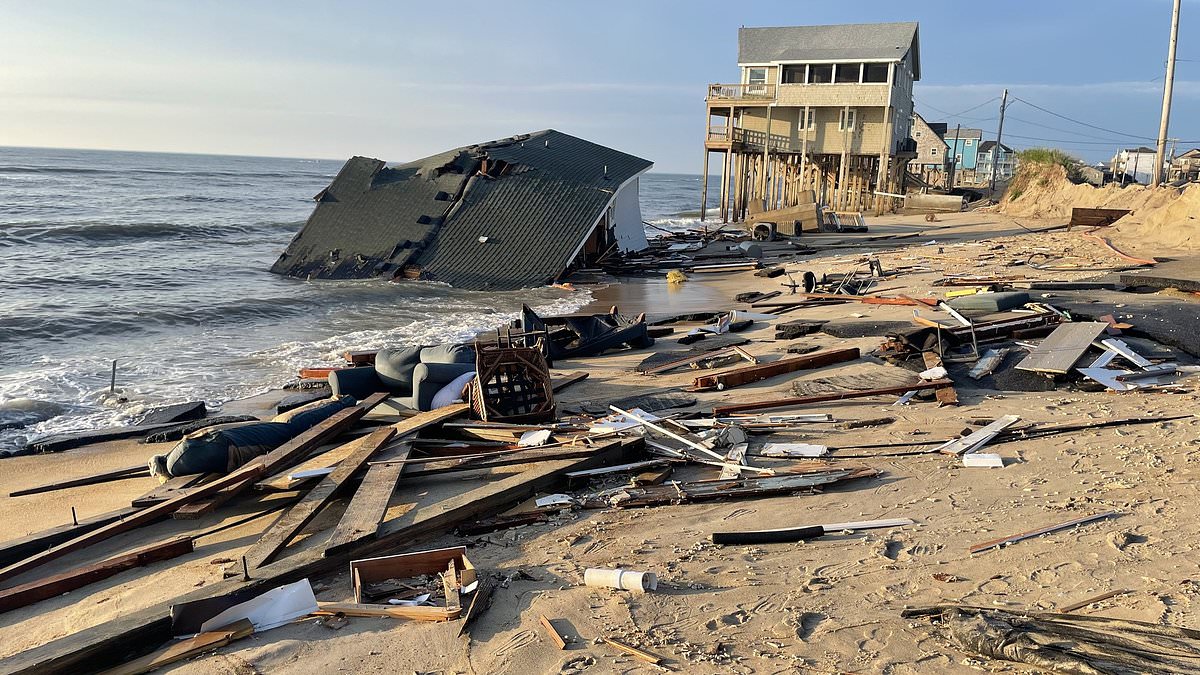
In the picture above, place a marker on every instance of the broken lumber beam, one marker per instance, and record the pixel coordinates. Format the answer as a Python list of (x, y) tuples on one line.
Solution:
[(115, 640), (72, 579), (405, 428), (368, 506), (139, 471), (721, 411), (185, 649), (1012, 539), (294, 519), (141, 517), (555, 636), (979, 438), (762, 371), (18, 549), (723, 352), (284, 456), (418, 613), (639, 654)]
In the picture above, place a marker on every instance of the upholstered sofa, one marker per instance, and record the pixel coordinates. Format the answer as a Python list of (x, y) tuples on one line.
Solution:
[(412, 374)]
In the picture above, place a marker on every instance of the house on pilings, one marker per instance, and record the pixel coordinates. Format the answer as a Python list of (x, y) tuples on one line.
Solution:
[(824, 111)]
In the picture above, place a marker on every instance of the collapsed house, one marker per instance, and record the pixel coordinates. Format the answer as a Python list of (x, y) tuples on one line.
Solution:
[(502, 215)]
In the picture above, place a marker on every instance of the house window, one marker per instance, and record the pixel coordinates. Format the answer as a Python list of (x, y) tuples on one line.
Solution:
[(933, 152), (958, 157), (806, 123), (875, 73), (970, 142), (847, 119), (793, 74), (756, 76), (820, 74), (849, 73), (916, 134)]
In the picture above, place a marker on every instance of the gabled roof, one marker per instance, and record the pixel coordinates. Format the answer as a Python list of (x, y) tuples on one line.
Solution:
[(964, 133), (500, 215), (841, 42), (938, 128), (1194, 152), (1140, 151), (987, 146)]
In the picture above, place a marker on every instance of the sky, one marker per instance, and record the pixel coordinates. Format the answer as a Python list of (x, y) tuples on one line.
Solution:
[(403, 80)]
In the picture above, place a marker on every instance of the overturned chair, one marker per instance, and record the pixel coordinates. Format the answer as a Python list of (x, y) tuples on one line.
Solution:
[(585, 334), (512, 383)]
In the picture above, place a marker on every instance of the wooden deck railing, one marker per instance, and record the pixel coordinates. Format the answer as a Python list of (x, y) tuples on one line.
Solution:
[(741, 92)]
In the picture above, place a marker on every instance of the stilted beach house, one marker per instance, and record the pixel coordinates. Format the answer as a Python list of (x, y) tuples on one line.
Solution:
[(820, 112)]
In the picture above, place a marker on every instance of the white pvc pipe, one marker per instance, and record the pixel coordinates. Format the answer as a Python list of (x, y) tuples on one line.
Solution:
[(638, 582)]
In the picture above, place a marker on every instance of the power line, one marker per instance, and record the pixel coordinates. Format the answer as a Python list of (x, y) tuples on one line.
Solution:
[(1066, 131), (1082, 123), (960, 114)]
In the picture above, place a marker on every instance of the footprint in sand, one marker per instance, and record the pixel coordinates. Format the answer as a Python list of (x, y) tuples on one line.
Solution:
[(516, 642), (807, 623)]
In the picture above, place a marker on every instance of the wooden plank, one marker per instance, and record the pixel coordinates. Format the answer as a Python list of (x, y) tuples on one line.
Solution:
[(723, 352), (294, 519), (1067, 609), (721, 411), (18, 549), (418, 613), (70, 580), (1059, 352), (99, 645), (1011, 539), (403, 429), (1085, 217), (285, 455), (367, 508), (142, 517), (139, 471), (551, 631), (762, 371), (480, 600), (978, 438), (638, 654), (559, 383), (173, 487), (185, 649)]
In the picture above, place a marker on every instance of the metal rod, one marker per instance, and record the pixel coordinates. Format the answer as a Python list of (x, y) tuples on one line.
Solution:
[(112, 383)]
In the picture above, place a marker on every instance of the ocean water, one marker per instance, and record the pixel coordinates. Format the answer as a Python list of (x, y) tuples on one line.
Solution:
[(159, 262)]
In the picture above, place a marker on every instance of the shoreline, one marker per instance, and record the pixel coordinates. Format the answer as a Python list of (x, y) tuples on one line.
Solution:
[(772, 607)]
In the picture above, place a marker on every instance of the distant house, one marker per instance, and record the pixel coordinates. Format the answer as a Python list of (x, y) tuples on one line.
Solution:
[(930, 162), (1098, 175), (1005, 164), (501, 215), (1186, 166), (1137, 163), (964, 149)]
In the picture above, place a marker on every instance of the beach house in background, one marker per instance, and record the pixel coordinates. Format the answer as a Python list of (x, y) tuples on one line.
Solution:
[(1136, 163), (505, 214), (930, 163), (1006, 161), (816, 108), (964, 153)]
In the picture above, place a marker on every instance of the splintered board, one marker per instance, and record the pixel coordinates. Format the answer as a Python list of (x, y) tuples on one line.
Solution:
[(1059, 352)]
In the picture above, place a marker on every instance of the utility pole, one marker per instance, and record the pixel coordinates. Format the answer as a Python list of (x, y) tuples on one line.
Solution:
[(1166, 106), (999, 133), (954, 157)]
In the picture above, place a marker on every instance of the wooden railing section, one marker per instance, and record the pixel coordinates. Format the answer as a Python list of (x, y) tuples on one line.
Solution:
[(741, 92)]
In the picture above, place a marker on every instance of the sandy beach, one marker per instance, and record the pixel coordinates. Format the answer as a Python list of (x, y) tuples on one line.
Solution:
[(831, 605)]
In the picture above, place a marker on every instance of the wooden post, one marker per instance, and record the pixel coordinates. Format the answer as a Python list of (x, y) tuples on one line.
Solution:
[(725, 168), (766, 160), (839, 188), (884, 154), (704, 180)]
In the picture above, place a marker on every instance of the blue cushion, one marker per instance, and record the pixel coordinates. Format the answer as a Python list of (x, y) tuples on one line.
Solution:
[(394, 368)]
